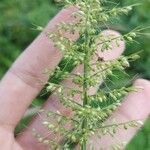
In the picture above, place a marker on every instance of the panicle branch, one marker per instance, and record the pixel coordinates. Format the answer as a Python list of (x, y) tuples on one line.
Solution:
[(87, 113)]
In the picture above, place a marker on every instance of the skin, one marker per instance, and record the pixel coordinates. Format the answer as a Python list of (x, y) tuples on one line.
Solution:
[(21, 85)]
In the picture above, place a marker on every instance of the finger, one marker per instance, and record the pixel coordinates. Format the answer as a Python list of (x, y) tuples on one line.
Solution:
[(136, 106), (21, 83), (115, 51), (53, 103)]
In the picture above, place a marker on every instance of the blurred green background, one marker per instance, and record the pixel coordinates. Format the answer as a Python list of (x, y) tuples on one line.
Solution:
[(17, 17)]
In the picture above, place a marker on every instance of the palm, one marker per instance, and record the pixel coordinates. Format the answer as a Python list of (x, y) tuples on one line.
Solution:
[(19, 87)]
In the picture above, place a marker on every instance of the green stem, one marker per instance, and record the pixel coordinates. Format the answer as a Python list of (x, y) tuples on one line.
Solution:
[(83, 146), (85, 87)]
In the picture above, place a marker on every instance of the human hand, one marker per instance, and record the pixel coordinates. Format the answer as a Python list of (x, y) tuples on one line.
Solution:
[(20, 86)]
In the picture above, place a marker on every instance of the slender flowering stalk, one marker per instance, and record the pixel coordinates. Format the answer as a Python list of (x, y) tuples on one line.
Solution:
[(89, 112)]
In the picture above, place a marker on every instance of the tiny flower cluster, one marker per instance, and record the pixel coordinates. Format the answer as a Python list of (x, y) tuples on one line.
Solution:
[(87, 113)]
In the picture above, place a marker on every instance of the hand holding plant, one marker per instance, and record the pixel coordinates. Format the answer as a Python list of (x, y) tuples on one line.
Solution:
[(21, 82)]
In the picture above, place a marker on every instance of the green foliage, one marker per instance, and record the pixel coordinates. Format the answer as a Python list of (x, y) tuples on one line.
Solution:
[(16, 19)]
